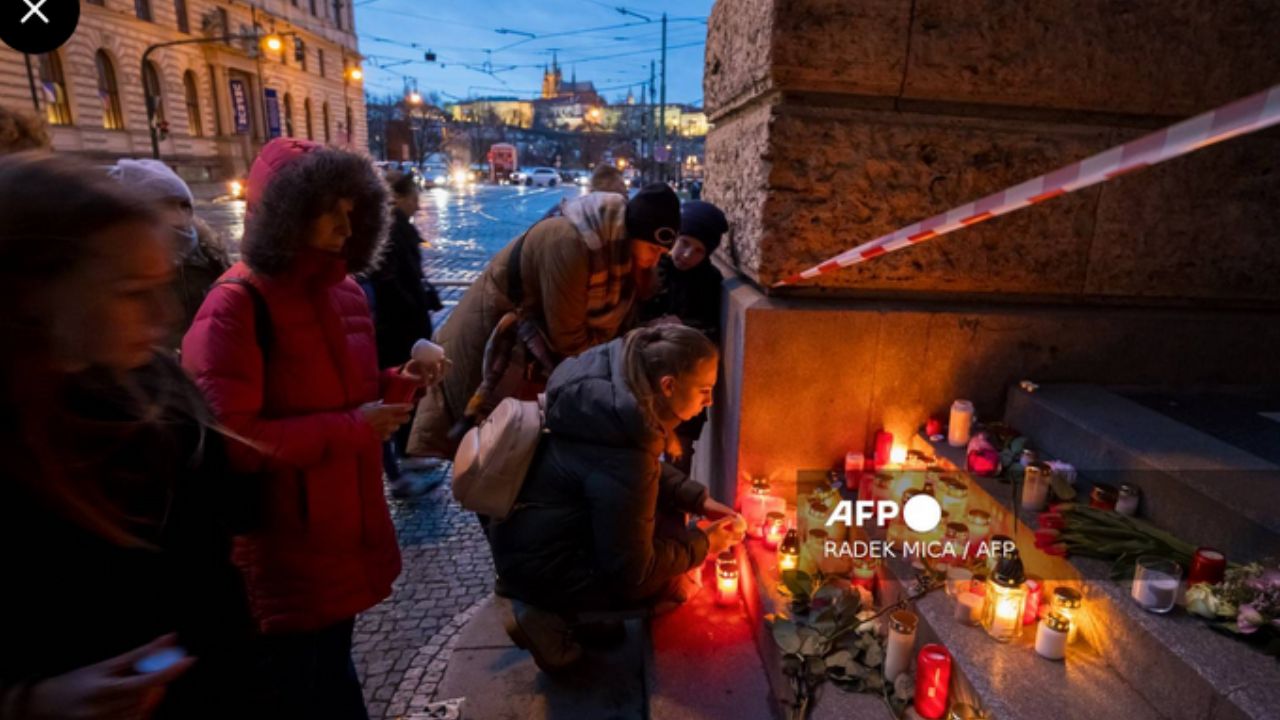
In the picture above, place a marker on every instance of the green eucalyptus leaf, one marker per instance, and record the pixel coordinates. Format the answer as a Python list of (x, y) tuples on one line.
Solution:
[(815, 667), (786, 634), (797, 582), (873, 656)]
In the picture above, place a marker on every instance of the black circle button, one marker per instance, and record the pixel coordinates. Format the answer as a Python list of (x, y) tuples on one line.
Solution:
[(38, 26)]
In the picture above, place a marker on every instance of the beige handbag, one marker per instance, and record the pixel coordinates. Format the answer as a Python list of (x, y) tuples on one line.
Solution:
[(494, 457)]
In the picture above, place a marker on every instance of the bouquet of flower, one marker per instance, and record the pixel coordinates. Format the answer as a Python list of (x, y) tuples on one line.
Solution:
[(1246, 602)]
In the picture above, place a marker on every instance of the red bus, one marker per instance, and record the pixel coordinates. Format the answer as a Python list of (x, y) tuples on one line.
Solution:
[(502, 162)]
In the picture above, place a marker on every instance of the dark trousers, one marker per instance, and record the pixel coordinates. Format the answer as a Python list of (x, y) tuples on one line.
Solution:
[(393, 450), (308, 675)]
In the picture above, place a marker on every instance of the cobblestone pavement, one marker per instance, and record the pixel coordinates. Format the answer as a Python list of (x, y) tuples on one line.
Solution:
[(403, 645)]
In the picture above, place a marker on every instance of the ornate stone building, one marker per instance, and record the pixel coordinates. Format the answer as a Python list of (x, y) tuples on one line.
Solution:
[(217, 101)]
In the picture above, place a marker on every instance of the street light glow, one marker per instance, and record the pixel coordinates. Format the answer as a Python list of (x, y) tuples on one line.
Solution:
[(356, 73), (273, 43), (415, 98)]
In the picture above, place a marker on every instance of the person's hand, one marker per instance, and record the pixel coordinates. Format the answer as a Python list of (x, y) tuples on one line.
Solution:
[(386, 418), (110, 689), (428, 374), (721, 535), (714, 509)]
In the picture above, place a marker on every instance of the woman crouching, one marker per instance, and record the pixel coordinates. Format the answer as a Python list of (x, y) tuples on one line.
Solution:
[(599, 522)]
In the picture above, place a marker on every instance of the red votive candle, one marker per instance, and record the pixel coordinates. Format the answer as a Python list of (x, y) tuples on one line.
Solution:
[(933, 681), (933, 428), (884, 446), (1207, 566), (1031, 610), (854, 463)]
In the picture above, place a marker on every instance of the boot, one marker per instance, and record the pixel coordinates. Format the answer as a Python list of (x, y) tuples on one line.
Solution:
[(600, 635), (544, 634)]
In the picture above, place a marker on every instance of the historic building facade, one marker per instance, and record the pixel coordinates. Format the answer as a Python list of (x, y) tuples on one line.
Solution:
[(290, 68)]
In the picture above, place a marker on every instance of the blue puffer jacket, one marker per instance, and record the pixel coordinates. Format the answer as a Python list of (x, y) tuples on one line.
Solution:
[(585, 527)]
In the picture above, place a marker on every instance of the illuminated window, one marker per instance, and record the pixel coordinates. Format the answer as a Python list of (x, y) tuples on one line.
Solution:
[(109, 93), (193, 104), (57, 106)]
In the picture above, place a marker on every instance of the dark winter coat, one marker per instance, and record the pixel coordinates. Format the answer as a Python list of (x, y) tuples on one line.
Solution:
[(402, 315), (587, 511), (326, 549), (74, 598), (691, 295), (196, 273)]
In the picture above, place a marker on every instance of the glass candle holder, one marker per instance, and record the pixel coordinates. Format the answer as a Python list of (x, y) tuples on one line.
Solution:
[(1207, 566), (864, 572), (789, 552), (1104, 496), (955, 539), (1155, 584), (1052, 636), (900, 643), (958, 580), (1035, 486), (933, 681), (1002, 614), (811, 550), (774, 529), (955, 496), (1068, 602), (979, 522), (884, 447), (726, 578), (969, 607), (813, 516), (1035, 590), (961, 423), (755, 504), (1127, 499)]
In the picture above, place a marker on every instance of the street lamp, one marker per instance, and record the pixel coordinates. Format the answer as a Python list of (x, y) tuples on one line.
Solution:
[(355, 73), (273, 43), (414, 98)]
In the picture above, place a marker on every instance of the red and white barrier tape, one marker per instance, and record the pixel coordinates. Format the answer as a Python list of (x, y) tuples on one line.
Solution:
[(1242, 116)]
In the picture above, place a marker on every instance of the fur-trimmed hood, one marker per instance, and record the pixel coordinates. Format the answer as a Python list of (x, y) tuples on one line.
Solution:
[(294, 181)]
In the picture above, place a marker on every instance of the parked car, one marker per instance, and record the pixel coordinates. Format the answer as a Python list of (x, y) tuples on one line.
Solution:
[(519, 177), (435, 175), (543, 177)]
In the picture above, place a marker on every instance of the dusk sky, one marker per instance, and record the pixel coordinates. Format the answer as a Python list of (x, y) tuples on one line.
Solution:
[(590, 37)]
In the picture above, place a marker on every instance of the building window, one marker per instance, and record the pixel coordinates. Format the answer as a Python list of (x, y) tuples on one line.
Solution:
[(324, 117), (109, 92), (306, 110), (180, 9), (288, 115), (213, 90), (151, 84), (224, 25), (193, 104), (350, 126), (313, 7), (143, 9), (320, 60), (57, 106), (337, 13)]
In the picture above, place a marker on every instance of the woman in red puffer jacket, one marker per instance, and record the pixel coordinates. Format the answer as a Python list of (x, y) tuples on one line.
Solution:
[(305, 397)]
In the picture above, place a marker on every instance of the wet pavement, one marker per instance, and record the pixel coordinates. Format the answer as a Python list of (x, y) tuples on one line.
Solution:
[(402, 646)]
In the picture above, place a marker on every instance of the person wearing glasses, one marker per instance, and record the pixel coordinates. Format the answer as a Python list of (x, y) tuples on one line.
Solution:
[(567, 284)]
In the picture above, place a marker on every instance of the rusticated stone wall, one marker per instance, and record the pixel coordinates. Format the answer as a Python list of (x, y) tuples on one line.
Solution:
[(836, 122)]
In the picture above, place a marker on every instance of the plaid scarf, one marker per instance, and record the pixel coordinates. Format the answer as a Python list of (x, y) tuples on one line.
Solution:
[(600, 218)]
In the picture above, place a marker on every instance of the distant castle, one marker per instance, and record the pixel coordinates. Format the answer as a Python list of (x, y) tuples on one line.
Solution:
[(554, 87)]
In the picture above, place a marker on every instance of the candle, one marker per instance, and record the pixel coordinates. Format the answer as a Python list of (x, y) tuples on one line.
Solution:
[(774, 529), (1052, 636), (884, 447), (789, 552), (955, 496), (1006, 599), (854, 464), (979, 522), (961, 423), (864, 572), (1035, 588), (1104, 496), (1035, 486), (969, 608), (933, 429), (933, 680), (1067, 601), (726, 578), (1155, 584), (758, 503), (900, 643), (898, 456), (812, 550), (955, 540), (958, 580), (1127, 499), (1207, 566), (834, 564)]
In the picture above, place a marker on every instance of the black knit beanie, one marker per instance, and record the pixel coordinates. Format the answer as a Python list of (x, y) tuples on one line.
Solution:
[(654, 208), (703, 221)]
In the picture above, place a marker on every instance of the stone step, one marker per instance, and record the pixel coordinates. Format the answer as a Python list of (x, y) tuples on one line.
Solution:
[(1174, 664), (703, 663), (1209, 491)]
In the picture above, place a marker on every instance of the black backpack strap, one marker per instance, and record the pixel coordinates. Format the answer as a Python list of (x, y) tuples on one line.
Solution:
[(262, 330)]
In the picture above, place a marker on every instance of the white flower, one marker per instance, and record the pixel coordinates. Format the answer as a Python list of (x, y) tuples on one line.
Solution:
[(1201, 601)]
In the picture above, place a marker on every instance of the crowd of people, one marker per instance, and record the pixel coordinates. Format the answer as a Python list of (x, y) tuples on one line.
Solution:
[(194, 452)]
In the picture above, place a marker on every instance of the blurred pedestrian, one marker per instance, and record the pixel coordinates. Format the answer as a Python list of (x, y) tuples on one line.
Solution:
[(402, 303), (20, 132), (689, 293), (284, 349), (567, 284), (600, 521), (607, 178), (115, 505), (199, 255)]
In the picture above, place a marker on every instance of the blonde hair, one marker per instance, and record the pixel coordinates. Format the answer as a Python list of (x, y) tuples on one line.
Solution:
[(650, 354)]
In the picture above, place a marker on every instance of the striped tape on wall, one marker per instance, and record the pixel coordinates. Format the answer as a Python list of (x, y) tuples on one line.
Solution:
[(1238, 118)]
